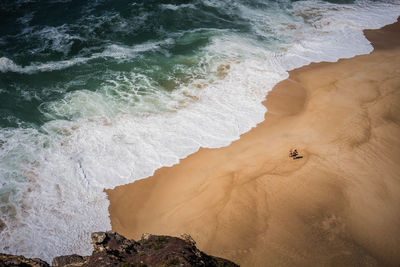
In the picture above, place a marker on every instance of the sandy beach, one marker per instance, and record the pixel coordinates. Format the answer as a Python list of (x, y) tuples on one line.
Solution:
[(251, 203)]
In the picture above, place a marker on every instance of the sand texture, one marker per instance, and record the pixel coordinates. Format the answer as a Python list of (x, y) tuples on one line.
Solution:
[(249, 202)]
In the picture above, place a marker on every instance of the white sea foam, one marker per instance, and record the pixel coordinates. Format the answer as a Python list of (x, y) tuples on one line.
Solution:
[(176, 7), (7, 64), (68, 163), (26, 18), (113, 51), (125, 52)]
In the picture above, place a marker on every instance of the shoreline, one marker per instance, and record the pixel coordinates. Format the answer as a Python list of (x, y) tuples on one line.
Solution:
[(250, 203)]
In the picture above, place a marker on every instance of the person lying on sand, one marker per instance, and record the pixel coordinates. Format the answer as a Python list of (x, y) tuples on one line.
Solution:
[(293, 153)]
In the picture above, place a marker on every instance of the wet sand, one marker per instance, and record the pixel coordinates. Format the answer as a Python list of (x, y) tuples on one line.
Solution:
[(251, 203)]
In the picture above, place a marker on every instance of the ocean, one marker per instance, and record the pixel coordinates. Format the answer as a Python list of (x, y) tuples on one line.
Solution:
[(96, 94)]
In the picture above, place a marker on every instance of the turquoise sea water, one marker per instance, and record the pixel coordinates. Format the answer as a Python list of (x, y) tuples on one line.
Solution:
[(95, 94)]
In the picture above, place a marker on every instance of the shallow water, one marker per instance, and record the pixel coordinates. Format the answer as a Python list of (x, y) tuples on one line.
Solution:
[(99, 94)]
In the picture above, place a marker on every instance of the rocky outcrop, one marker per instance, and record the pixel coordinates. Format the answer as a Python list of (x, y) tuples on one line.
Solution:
[(112, 249), (11, 260), (70, 260)]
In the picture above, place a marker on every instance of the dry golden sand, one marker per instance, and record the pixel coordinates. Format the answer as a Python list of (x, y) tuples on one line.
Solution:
[(251, 203)]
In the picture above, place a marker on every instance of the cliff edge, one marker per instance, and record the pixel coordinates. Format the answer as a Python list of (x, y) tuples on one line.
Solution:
[(112, 249)]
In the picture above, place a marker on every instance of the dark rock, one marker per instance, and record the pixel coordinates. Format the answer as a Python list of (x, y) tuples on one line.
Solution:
[(98, 238), (112, 249), (13, 261), (112, 243), (70, 260)]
